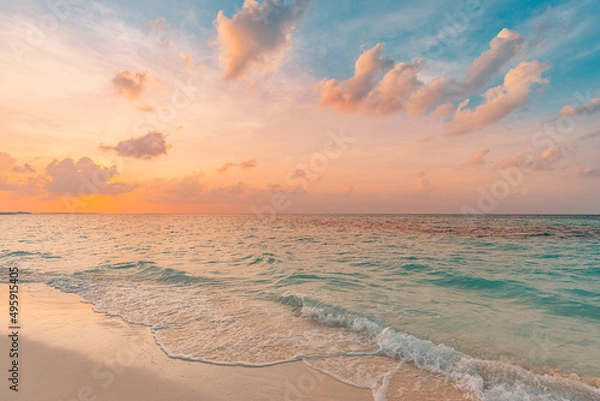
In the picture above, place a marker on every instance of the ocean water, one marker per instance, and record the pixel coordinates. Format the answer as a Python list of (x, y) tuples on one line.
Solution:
[(506, 307)]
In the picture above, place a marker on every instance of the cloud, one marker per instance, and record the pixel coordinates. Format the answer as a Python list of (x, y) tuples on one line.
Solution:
[(423, 185), (160, 30), (438, 91), (258, 35), (591, 135), (588, 172), (131, 86), (82, 178), (18, 179), (26, 169), (477, 158), (499, 101), (378, 86), (443, 110), (187, 60), (158, 24), (9, 163), (570, 111), (191, 190), (146, 108), (244, 165), (187, 189), (6, 185), (503, 48), (382, 87), (349, 95), (547, 160), (146, 147)]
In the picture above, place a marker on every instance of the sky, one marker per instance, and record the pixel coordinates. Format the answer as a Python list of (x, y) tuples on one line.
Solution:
[(272, 107)]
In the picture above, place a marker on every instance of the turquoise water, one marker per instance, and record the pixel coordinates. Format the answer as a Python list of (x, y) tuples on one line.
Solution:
[(505, 306)]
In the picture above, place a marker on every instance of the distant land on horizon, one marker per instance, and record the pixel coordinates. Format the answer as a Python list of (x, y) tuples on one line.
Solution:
[(322, 214)]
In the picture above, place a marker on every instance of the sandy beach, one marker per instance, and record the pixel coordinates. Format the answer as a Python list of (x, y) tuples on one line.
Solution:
[(71, 353), (68, 352)]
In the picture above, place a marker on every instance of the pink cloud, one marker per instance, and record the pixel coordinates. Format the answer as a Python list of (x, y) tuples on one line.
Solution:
[(146, 147), (547, 160), (9, 163), (588, 172), (571, 111), (187, 60), (131, 85), (350, 95), (245, 165), (503, 48), (258, 35), (478, 158), (191, 190), (82, 178), (501, 100), (382, 87)]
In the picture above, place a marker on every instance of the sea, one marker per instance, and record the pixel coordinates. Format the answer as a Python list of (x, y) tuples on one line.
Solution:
[(505, 307)]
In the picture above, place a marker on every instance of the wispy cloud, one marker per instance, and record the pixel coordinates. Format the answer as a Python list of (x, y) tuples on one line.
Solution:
[(244, 165), (9, 163), (191, 190), (187, 60), (478, 158), (146, 108), (547, 160), (591, 135), (573, 111), (588, 172)]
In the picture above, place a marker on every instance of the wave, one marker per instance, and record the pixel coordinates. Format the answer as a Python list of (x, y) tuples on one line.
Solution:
[(192, 321), (552, 303)]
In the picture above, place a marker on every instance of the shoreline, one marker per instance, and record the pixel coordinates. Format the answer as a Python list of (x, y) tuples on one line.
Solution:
[(71, 353)]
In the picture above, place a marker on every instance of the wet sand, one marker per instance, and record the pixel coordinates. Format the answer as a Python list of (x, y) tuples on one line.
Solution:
[(67, 352)]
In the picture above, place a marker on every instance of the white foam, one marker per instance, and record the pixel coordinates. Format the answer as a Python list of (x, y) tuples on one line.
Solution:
[(192, 323)]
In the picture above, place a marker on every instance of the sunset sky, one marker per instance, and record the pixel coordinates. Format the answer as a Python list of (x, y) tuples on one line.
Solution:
[(300, 106)]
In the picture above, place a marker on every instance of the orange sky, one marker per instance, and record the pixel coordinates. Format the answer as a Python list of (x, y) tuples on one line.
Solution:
[(113, 114)]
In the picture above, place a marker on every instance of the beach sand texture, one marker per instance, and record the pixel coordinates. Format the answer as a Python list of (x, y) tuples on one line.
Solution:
[(70, 353)]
